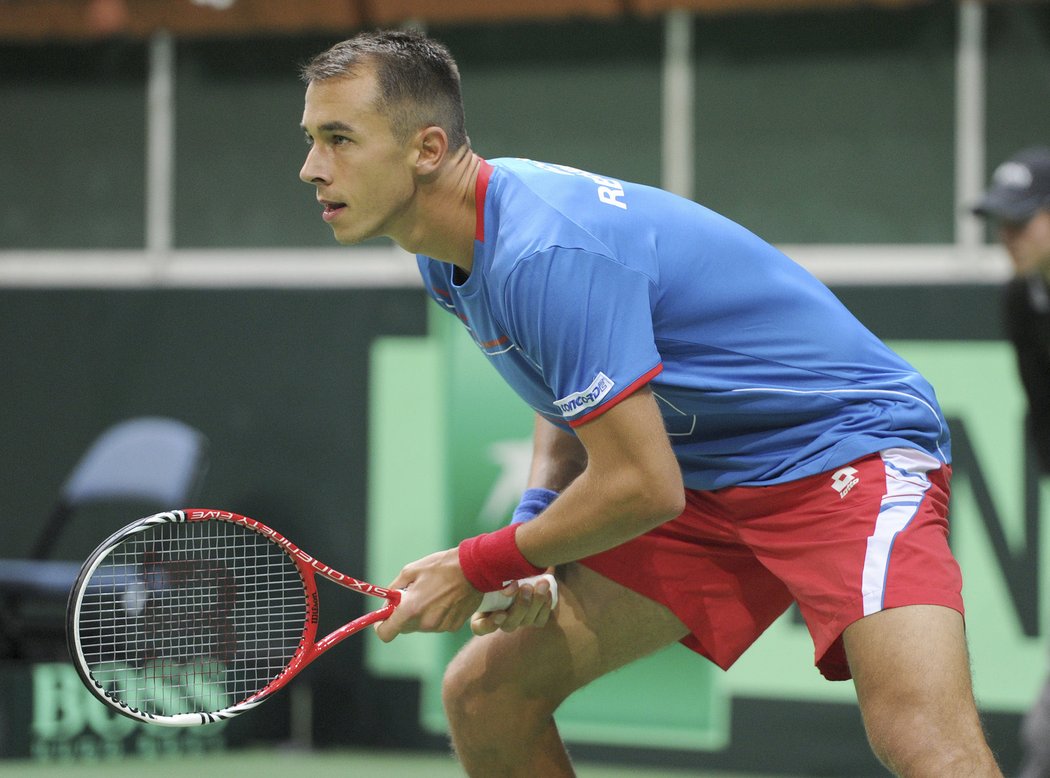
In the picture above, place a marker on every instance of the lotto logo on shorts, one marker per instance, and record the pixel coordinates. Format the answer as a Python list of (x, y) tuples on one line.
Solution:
[(844, 479)]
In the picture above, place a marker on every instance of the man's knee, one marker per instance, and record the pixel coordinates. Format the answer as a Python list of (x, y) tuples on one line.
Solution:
[(485, 685), (912, 740), (919, 728), (462, 685)]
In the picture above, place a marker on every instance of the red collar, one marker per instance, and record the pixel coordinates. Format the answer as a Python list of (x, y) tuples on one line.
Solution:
[(480, 188)]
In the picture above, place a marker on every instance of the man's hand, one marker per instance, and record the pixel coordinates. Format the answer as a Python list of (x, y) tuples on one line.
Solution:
[(436, 597), (531, 608)]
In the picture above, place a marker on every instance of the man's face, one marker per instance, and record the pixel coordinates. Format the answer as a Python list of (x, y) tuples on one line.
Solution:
[(1028, 243), (363, 175)]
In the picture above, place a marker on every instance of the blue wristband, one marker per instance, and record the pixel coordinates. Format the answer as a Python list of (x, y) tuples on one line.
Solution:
[(533, 503)]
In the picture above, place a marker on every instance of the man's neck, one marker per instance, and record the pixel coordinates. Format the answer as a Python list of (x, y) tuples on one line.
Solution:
[(446, 213)]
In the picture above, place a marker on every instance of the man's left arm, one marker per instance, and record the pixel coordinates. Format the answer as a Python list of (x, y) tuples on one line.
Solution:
[(631, 483)]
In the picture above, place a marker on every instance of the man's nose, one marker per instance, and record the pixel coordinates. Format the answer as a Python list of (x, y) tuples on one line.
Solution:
[(312, 171)]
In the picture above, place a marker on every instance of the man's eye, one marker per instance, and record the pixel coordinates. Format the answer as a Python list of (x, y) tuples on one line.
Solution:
[(308, 140), (339, 140)]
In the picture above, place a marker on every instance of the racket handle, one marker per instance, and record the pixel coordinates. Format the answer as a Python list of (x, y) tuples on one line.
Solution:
[(498, 601)]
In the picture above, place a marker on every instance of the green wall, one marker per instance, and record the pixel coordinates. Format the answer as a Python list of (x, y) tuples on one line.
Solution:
[(818, 126), (276, 379), (72, 146)]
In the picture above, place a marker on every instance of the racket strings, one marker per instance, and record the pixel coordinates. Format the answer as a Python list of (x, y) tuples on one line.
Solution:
[(191, 617)]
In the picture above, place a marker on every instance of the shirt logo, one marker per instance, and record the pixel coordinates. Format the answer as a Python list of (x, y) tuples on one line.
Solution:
[(588, 398), (844, 479), (610, 191)]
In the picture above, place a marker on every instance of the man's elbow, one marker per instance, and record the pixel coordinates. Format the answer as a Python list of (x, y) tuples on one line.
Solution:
[(669, 503), (657, 500)]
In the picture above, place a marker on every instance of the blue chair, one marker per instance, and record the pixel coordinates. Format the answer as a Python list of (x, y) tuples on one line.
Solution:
[(150, 462)]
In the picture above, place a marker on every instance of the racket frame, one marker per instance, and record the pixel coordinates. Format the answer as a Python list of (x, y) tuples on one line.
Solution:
[(309, 648)]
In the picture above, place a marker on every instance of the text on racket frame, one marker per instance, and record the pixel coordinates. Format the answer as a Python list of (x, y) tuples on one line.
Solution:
[(330, 572)]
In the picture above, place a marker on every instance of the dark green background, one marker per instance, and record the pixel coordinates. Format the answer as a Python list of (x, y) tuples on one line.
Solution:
[(821, 126)]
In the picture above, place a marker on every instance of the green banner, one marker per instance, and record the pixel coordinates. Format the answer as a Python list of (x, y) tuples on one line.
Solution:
[(51, 716), (449, 458)]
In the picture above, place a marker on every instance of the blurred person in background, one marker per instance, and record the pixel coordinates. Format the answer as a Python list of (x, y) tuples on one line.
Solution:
[(1018, 204)]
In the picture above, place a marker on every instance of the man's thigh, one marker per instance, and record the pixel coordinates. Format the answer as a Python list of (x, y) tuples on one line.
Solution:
[(597, 627), (912, 676), (912, 660)]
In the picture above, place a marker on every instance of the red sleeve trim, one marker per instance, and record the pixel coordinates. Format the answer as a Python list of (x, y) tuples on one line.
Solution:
[(627, 392), (480, 188)]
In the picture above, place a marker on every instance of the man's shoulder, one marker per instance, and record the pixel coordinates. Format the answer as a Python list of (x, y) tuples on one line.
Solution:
[(539, 212)]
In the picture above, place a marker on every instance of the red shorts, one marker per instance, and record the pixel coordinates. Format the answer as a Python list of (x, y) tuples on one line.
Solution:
[(842, 544)]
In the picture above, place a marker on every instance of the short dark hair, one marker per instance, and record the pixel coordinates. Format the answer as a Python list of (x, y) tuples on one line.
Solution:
[(418, 80)]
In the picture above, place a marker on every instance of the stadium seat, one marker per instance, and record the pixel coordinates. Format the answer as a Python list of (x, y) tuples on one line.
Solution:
[(146, 463)]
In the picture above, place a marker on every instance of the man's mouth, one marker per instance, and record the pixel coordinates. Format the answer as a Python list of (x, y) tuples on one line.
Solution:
[(331, 210)]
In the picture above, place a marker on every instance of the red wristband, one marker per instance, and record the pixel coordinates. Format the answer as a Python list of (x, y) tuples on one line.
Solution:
[(489, 561)]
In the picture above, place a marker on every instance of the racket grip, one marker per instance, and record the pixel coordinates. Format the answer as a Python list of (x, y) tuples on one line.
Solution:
[(498, 601)]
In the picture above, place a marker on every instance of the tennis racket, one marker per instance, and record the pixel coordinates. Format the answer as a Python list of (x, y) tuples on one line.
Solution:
[(193, 616)]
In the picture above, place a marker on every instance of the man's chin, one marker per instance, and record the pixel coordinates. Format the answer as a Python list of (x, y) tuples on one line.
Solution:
[(347, 238)]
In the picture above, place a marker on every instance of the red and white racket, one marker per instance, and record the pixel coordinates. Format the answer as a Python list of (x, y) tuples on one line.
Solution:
[(193, 616)]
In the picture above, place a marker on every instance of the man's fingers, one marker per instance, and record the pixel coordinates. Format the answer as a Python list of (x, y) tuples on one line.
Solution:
[(390, 628), (487, 623), (395, 623), (531, 608), (385, 633)]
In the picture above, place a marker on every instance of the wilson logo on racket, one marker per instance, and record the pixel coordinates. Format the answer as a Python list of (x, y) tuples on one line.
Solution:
[(194, 616)]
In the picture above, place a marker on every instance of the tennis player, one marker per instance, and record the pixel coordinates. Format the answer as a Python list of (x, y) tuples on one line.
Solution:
[(716, 437)]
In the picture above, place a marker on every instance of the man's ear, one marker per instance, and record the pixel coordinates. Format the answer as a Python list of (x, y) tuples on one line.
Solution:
[(431, 148)]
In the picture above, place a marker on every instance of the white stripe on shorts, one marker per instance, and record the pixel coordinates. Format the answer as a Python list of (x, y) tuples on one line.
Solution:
[(906, 486)]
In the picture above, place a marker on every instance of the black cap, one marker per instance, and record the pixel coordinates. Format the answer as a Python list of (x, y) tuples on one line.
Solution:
[(1020, 187)]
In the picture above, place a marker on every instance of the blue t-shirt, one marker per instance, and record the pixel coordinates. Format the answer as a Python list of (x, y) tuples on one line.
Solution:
[(585, 288)]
